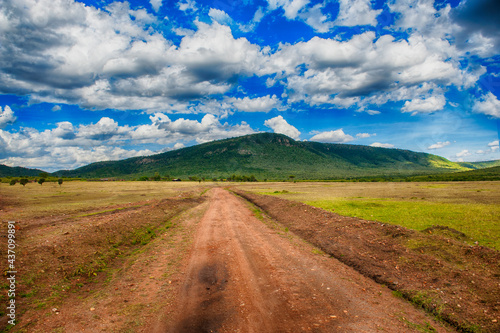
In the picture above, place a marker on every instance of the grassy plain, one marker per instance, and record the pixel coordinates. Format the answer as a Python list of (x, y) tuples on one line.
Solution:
[(72, 197), (74, 240), (469, 207)]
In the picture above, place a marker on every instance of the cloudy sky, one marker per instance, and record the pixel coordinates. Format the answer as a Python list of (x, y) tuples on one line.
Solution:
[(91, 80)]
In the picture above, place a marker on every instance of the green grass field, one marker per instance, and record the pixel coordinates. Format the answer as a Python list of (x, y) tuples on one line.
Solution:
[(469, 207)]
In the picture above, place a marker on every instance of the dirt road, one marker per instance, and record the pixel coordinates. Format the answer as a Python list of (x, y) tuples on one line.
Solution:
[(244, 276)]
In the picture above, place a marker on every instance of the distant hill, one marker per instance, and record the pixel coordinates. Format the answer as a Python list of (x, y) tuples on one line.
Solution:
[(492, 173), (272, 156), (7, 171), (480, 165)]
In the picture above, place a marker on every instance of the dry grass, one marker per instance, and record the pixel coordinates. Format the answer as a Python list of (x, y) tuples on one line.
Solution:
[(36, 200)]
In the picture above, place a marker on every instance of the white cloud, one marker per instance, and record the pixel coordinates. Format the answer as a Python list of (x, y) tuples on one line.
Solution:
[(463, 153), (135, 68), (7, 116), (424, 105), (280, 125), (291, 7), (187, 5), (315, 18), (68, 146), (356, 12), (367, 70), (382, 145), (156, 4), (59, 158), (219, 16), (259, 104), (337, 136), (439, 145), (487, 104), (56, 108), (365, 135), (493, 143)]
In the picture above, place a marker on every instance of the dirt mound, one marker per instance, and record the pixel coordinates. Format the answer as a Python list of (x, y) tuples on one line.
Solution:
[(456, 282), (447, 232)]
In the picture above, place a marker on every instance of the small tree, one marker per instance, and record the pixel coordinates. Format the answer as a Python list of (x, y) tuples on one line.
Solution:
[(43, 175), (156, 177), (41, 181), (13, 182), (24, 181), (60, 181), (291, 177)]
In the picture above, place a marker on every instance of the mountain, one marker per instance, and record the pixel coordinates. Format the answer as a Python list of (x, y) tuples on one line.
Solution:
[(7, 171), (480, 165), (272, 156)]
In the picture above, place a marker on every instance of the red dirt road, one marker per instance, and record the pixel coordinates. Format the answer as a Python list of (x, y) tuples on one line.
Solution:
[(244, 276)]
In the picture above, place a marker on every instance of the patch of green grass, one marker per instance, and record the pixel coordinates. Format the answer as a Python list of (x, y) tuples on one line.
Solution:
[(478, 221), (424, 328)]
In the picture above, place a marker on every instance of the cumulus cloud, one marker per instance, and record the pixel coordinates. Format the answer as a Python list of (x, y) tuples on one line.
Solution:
[(280, 125), (68, 146), (219, 16), (47, 52), (365, 135), (424, 105), (258, 104), (135, 68), (382, 145), (463, 153), (337, 136), (187, 5), (7, 116), (366, 71), (493, 143), (478, 19), (56, 108), (487, 104), (156, 4), (439, 145), (356, 12)]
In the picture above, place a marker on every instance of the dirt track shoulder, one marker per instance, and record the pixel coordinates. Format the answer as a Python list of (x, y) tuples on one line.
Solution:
[(460, 284)]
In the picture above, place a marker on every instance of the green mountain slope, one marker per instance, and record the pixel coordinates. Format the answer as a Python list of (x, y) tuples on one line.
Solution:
[(492, 173), (7, 171), (480, 165), (272, 156)]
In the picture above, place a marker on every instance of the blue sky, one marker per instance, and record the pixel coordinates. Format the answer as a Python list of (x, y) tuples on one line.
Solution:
[(93, 80)]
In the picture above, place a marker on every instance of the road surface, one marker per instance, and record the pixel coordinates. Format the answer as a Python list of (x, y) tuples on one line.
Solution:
[(245, 276)]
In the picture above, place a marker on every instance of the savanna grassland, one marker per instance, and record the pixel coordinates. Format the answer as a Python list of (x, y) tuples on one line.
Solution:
[(77, 244), (111, 255), (469, 207)]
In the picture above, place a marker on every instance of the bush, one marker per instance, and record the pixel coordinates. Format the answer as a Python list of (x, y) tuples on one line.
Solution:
[(24, 181), (13, 182)]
